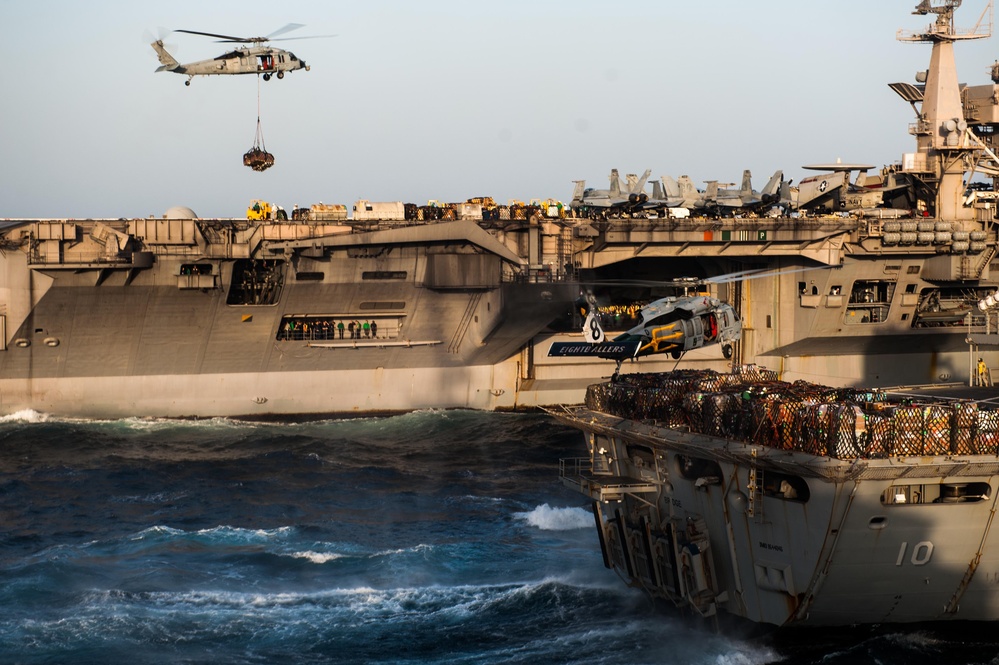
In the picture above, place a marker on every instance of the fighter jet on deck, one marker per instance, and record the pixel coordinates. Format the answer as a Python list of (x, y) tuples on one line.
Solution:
[(617, 199), (748, 198), (682, 193)]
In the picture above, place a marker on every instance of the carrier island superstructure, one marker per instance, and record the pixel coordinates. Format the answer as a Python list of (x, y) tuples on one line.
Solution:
[(184, 316)]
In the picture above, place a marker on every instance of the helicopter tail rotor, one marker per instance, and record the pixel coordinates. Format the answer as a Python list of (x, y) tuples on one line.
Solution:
[(167, 61)]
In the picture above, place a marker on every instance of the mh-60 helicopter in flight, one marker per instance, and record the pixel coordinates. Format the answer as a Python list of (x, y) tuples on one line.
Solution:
[(674, 325), (256, 58)]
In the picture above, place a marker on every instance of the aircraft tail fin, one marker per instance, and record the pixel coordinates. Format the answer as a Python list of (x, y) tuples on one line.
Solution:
[(711, 192), (747, 182), (577, 192), (632, 180), (640, 183), (671, 186), (615, 182), (687, 188), (593, 332), (773, 185), (167, 61), (785, 192), (657, 191)]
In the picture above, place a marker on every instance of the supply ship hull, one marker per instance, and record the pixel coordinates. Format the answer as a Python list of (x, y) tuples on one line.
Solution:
[(792, 504)]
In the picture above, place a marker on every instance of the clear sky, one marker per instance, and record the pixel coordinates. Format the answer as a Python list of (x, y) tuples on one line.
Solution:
[(446, 99)]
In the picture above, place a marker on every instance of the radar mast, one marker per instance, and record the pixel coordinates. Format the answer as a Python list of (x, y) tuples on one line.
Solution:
[(945, 149)]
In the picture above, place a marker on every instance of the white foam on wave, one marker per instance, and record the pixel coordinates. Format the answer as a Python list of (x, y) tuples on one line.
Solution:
[(157, 530), (25, 416), (317, 557), (745, 654), (546, 518), (240, 534)]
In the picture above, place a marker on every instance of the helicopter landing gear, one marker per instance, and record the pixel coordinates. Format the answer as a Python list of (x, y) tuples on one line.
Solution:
[(727, 351), (267, 77), (187, 82), (617, 370), (280, 75)]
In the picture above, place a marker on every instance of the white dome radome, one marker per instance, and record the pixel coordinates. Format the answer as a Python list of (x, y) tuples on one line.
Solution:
[(179, 212)]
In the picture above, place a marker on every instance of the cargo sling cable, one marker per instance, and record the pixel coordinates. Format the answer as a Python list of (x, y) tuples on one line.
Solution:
[(257, 157)]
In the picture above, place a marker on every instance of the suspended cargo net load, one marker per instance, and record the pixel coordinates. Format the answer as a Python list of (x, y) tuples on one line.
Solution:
[(257, 157)]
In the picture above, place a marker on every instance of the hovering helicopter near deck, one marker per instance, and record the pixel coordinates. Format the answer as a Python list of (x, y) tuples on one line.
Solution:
[(674, 325), (255, 59)]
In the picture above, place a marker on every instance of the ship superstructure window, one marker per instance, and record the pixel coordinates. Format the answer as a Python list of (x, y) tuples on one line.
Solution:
[(784, 486), (196, 276), (935, 493), (310, 276), (949, 306), (641, 456), (384, 274), (336, 327), (869, 301), (694, 468), (256, 282)]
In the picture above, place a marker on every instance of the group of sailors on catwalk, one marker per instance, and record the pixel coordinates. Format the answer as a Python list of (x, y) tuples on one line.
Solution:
[(326, 329)]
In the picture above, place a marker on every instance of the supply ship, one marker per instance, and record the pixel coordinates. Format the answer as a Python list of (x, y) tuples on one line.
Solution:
[(794, 504), (869, 282)]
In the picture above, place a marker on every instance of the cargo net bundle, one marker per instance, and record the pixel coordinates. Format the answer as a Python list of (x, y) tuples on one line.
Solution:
[(257, 157), (752, 405)]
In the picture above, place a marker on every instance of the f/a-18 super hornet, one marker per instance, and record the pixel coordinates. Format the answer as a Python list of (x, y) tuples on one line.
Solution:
[(618, 198), (671, 195), (682, 193), (748, 198)]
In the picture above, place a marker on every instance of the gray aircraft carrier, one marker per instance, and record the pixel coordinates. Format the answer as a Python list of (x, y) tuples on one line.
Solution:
[(184, 316)]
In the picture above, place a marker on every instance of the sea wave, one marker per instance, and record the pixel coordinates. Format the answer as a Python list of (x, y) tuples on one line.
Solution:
[(547, 518), (26, 416)]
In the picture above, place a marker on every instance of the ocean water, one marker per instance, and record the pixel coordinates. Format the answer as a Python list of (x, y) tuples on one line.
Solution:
[(431, 537)]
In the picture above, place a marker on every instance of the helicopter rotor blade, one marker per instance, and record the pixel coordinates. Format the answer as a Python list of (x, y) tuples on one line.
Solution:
[(228, 38), (288, 39), (287, 28)]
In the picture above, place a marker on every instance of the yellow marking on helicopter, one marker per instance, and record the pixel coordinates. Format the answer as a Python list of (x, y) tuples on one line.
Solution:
[(659, 336)]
